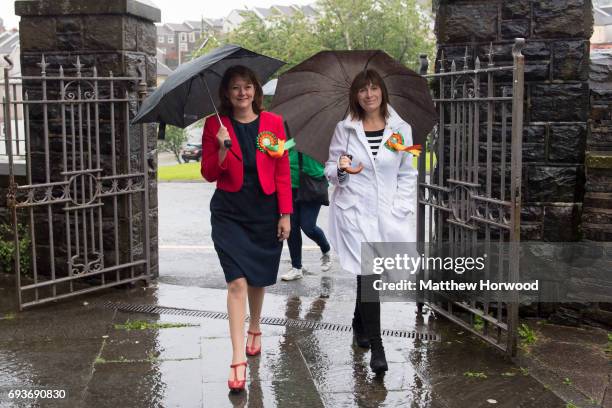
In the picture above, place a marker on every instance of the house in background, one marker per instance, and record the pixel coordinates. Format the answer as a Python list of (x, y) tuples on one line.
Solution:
[(163, 71), (235, 18), (602, 29), (177, 41)]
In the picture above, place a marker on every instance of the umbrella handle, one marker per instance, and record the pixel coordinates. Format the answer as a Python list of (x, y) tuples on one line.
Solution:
[(353, 170)]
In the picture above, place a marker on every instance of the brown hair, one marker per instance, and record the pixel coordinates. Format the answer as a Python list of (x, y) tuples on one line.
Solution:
[(248, 75), (363, 79)]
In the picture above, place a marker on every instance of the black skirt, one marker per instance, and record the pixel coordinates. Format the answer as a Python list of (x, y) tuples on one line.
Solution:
[(244, 223)]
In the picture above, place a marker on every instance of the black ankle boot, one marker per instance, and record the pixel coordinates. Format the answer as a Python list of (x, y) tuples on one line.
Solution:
[(369, 308), (378, 360)]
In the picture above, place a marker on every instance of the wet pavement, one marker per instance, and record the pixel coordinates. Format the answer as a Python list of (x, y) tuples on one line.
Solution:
[(77, 347)]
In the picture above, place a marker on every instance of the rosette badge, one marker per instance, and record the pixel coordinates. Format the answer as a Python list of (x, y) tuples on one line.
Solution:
[(395, 143), (269, 144)]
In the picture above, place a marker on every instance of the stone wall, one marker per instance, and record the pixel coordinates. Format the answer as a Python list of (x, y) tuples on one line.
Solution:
[(597, 210), (556, 110), (115, 36)]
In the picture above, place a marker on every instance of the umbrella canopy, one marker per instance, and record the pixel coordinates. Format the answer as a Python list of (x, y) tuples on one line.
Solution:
[(314, 96), (182, 98)]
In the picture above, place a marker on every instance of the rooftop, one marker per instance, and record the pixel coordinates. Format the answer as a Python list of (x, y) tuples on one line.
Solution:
[(178, 27)]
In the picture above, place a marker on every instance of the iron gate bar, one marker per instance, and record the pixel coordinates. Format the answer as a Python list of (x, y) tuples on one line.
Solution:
[(273, 321), (83, 188), (465, 204)]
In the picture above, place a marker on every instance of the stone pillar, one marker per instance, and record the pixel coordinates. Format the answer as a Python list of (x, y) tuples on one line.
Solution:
[(117, 36), (557, 34), (597, 210)]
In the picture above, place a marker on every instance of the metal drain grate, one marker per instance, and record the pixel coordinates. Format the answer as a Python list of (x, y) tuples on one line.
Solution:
[(274, 321)]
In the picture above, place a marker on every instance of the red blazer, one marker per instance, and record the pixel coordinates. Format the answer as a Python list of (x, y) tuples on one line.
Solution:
[(274, 174)]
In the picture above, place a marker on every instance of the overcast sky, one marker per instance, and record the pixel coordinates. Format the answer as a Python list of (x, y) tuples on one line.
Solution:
[(175, 11)]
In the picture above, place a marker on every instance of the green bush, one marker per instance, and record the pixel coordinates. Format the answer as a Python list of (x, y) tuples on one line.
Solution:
[(7, 248)]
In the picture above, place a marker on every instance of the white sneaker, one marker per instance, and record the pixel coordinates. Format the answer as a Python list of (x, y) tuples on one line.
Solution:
[(293, 274), (326, 262)]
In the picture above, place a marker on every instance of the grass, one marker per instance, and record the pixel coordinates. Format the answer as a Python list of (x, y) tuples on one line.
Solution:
[(191, 171), (527, 335), (143, 325), (472, 374), (178, 172)]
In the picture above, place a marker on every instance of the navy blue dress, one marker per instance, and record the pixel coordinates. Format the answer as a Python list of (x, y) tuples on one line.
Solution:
[(244, 223)]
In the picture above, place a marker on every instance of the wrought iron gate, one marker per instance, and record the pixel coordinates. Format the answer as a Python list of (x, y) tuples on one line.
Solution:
[(80, 216), (466, 200)]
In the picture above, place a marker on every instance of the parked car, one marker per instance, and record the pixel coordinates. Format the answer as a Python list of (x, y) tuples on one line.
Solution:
[(192, 151)]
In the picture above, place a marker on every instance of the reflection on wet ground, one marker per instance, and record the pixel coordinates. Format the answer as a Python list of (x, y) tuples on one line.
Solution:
[(75, 347)]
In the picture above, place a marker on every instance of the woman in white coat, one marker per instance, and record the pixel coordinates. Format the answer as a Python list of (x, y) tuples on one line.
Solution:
[(377, 204)]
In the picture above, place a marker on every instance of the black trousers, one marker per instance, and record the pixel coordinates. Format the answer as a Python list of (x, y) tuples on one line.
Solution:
[(367, 309)]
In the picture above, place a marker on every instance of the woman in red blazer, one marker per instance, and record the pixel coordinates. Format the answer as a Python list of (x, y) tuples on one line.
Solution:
[(251, 205)]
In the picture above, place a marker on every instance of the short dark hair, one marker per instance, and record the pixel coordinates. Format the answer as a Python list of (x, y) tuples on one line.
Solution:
[(361, 80), (247, 74)]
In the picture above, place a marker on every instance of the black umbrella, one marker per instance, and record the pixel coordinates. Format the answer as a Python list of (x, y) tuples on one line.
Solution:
[(190, 92)]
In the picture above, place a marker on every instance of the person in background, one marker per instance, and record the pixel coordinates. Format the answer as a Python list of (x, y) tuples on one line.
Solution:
[(306, 209)]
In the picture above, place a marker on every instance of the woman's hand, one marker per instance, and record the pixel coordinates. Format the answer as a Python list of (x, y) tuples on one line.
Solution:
[(222, 136), (344, 162), (284, 227)]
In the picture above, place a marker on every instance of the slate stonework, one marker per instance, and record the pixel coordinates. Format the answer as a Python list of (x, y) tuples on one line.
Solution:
[(118, 37), (597, 209), (557, 94)]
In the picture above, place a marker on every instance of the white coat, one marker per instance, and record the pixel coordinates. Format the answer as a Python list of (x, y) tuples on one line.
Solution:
[(376, 205)]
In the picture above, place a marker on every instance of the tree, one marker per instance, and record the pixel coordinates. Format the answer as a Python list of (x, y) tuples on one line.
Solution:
[(289, 39), (206, 43), (402, 28), (174, 141)]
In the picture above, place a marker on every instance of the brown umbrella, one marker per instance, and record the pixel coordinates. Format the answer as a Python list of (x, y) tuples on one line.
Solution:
[(314, 96)]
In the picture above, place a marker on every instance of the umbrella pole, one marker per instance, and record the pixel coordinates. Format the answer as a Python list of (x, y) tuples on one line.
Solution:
[(227, 143), (211, 99)]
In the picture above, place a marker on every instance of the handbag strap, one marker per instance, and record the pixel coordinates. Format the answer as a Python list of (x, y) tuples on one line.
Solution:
[(300, 169)]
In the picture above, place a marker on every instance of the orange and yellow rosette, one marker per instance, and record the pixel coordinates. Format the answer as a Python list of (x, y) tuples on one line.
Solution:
[(269, 144), (395, 143)]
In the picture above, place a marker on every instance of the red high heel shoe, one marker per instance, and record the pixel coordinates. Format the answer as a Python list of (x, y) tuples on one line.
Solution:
[(252, 351), (237, 385)]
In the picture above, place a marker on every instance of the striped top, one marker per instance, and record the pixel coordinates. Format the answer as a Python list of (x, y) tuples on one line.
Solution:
[(374, 138)]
